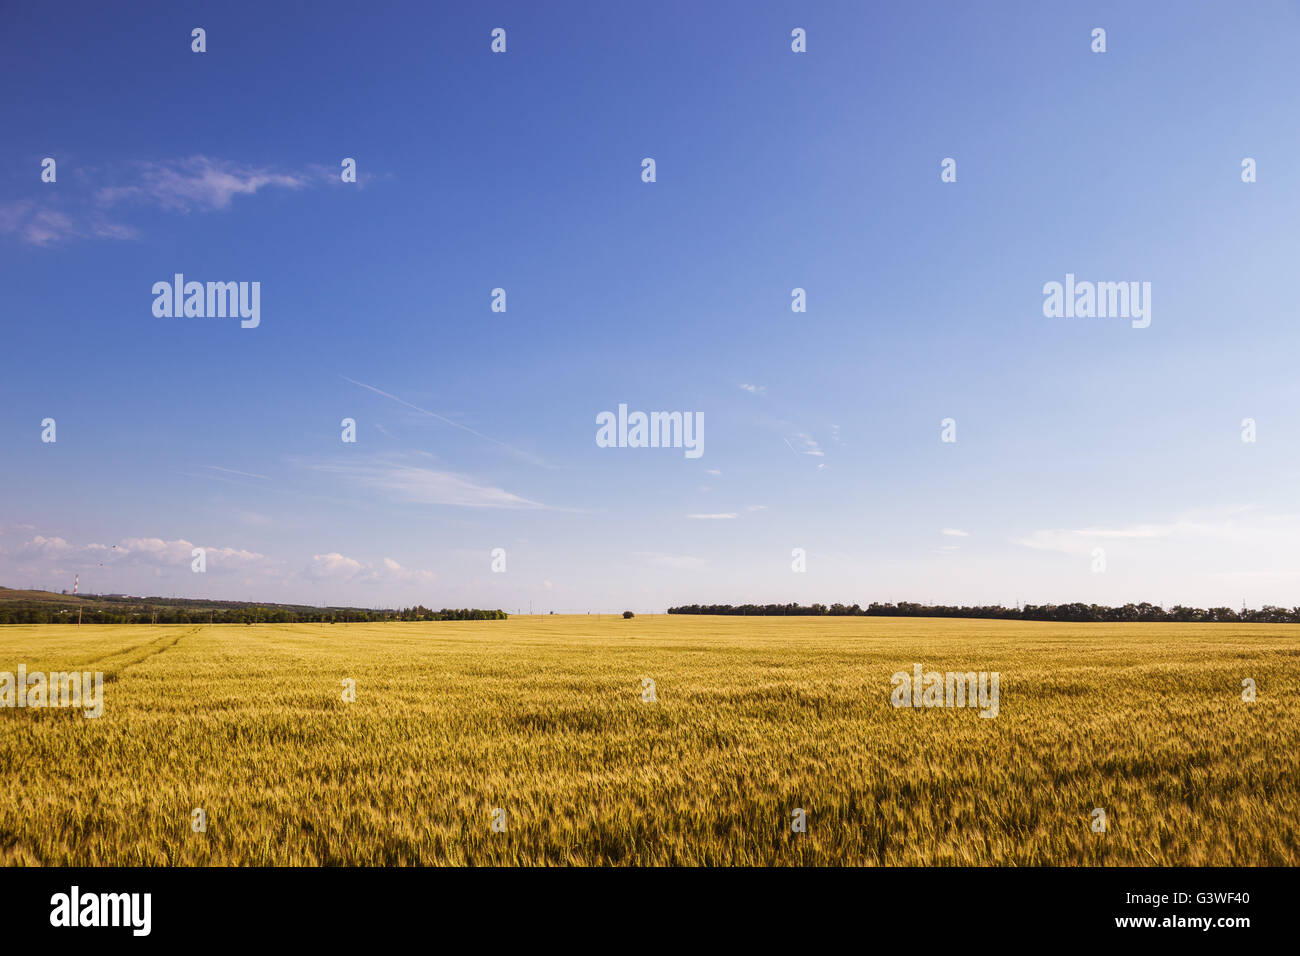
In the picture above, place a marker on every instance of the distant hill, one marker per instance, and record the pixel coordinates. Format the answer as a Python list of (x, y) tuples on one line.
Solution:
[(47, 607)]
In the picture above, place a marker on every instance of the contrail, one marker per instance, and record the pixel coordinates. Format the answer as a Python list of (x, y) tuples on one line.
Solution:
[(232, 471), (445, 419)]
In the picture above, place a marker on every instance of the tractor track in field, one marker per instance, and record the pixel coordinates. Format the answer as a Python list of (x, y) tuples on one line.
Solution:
[(123, 650), (154, 649)]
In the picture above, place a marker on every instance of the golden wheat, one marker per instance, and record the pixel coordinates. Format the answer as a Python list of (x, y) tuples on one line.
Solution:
[(543, 717)]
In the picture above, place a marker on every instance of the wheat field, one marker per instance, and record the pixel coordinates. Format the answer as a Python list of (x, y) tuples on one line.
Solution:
[(544, 718)]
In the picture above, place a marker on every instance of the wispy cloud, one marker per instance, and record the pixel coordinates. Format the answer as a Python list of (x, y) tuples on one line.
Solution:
[(198, 182), (78, 211), (713, 517), (1080, 540), (954, 532), (807, 445), (678, 562), (412, 483), (1235, 526), (754, 389), (43, 223)]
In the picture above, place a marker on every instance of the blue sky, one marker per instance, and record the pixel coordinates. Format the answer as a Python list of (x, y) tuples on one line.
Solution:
[(775, 170)]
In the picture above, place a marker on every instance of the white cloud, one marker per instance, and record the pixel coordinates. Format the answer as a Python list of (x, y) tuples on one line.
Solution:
[(141, 561), (955, 533), (392, 571), (332, 566), (340, 568), (151, 552), (713, 517), (44, 545), (178, 553)]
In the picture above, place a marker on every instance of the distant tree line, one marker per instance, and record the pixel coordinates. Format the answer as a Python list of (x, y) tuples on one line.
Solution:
[(175, 615), (40, 608), (1268, 614)]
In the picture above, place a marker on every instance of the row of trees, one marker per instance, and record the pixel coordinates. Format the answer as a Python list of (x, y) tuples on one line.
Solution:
[(1268, 614), (37, 613), (422, 613)]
